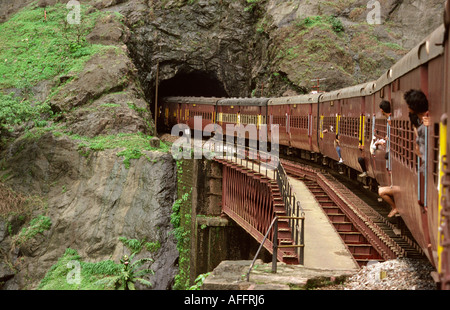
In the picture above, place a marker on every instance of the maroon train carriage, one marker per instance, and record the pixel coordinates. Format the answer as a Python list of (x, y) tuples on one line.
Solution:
[(342, 112), (444, 175), (295, 116), (244, 111), (278, 113), (170, 112), (183, 110), (422, 68)]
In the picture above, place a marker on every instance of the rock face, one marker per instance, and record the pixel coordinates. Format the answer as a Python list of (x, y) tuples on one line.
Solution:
[(92, 201), (236, 48), (91, 196)]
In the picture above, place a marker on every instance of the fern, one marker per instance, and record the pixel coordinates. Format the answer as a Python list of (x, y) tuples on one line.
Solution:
[(128, 274)]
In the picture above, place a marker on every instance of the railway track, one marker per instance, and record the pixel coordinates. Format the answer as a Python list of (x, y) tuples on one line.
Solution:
[(359, 219)]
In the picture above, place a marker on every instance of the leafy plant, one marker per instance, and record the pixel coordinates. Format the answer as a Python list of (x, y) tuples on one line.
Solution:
[(199, 281), (252, 4), (128, 274), (136, 246), (14, 111), (324, 21), (37, 225), (336, 24)]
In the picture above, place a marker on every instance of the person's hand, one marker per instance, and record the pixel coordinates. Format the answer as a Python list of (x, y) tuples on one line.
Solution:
[(426, 119)]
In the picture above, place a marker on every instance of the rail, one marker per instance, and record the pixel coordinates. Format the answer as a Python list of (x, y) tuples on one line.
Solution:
[(265, 164), (294, 209), (274, 226)]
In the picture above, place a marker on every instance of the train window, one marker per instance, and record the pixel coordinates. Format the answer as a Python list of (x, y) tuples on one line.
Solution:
[(280, 120), (299, 122), (380, 128), (402, 143), (294, 121)]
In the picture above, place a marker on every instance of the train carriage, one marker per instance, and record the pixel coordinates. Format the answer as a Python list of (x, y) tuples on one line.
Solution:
[(278, 113), (170, 112), (329, 112), (242, 111), (300, 120), (416, 193), (183, 110), (444, 176), (201, 111)]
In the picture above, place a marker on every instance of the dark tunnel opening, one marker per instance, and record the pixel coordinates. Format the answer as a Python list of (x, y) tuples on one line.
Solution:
[(193, 84), (196, 84)]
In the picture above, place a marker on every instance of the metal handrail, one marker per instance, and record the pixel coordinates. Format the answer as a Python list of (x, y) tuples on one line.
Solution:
[(260, 247), (275, 245), (293, 207)]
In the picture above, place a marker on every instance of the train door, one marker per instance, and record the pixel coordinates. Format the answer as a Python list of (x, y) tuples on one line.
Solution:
[(279, 116), (315, 125), (310, 126)]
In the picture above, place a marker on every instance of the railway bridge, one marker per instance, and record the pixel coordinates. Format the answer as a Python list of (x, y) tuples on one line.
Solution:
[(246, 205)]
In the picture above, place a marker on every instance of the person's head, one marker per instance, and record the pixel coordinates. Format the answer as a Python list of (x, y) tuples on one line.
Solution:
[(417, 102), (385, 107), (415, 121)]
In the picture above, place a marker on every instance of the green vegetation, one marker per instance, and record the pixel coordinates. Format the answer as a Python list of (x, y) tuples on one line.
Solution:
[(14, 111), (36, 226), (94, 276), (128, 274), (129, 145), (323, 21), (56, 277), (34, 50), (251, 5), (134, 144), (181, 221), (199, 281), (136, 246)]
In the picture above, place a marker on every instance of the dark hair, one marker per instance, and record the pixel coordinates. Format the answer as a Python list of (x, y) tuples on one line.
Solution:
[(385, 106), (415, 121), (416, 101)]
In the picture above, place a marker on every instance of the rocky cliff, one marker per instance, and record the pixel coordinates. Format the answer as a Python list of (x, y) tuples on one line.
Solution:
[(84, 175), (77, 169)]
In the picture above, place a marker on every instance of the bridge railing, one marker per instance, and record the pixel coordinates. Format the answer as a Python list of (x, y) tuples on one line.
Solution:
[(266, 164)]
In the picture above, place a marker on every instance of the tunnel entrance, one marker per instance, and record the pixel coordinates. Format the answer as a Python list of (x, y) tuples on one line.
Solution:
[(196, 84), (193, 84)]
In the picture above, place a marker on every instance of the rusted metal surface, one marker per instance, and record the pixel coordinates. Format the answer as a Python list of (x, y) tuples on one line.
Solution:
[(252, 200)]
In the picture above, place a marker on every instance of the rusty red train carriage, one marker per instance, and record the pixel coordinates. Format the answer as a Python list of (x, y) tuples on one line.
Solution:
[(311, 122)]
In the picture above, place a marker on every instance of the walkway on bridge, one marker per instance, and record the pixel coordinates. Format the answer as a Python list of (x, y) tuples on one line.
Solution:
[(324, 248)]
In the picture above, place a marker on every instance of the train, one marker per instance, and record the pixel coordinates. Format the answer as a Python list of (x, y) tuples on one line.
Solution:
[(309, 123)]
